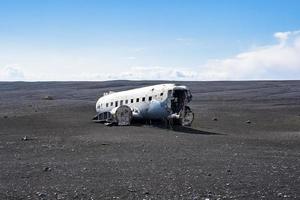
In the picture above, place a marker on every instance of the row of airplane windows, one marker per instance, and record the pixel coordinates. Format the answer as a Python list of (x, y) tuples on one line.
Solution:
[(131, 101)]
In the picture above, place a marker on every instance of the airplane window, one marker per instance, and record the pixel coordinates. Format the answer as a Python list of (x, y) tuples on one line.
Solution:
[(126, 101), (121, 102), (137, 99), (161, 94), (143, 99), (150, 98), (111, 103), (116, 103), (131, 100), (106, 104)]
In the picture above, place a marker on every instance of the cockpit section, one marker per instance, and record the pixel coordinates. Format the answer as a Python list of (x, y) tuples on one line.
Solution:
[(177, 102), (179, 99), (181, 113)]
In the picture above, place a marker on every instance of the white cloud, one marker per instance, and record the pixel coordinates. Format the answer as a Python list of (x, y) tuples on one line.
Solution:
[(282, 36), (279, 61), (11, 73), (143, 73)]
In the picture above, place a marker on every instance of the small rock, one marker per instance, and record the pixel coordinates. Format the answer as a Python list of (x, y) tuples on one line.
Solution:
[(209, 174), (215, 119), (46, 169), (40, 194), (228, 170), (248, 122), (47, 97), (209, 194), (60, 196), (5, 116)]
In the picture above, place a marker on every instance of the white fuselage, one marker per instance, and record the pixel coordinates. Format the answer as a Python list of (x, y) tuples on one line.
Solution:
[(151, 102)]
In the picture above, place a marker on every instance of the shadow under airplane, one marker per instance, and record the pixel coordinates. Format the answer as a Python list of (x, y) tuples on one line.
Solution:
[(189, 130), (175, 128)]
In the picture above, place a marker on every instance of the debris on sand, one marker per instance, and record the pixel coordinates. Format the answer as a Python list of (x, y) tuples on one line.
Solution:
[(131, 190), (25, 138), (84, 169), (215, 119), (248, 122), (47, 97)]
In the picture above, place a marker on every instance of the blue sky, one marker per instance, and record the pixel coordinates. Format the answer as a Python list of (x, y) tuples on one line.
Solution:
[(149, 39)]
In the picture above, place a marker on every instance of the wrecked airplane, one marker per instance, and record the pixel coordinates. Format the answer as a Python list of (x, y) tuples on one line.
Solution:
[(168, 102)]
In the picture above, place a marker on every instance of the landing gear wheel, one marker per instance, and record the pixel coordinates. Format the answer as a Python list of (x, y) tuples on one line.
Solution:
[(188, 117), (169, 123), (123, 115)]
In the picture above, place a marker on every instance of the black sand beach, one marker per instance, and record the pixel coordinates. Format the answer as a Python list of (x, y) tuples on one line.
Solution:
[(244, 144)]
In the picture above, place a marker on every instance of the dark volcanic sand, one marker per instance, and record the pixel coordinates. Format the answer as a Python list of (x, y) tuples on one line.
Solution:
[(67, 156)]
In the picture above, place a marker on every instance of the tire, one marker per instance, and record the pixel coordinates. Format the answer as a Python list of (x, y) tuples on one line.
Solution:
[(188, 117), (123, 115)]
